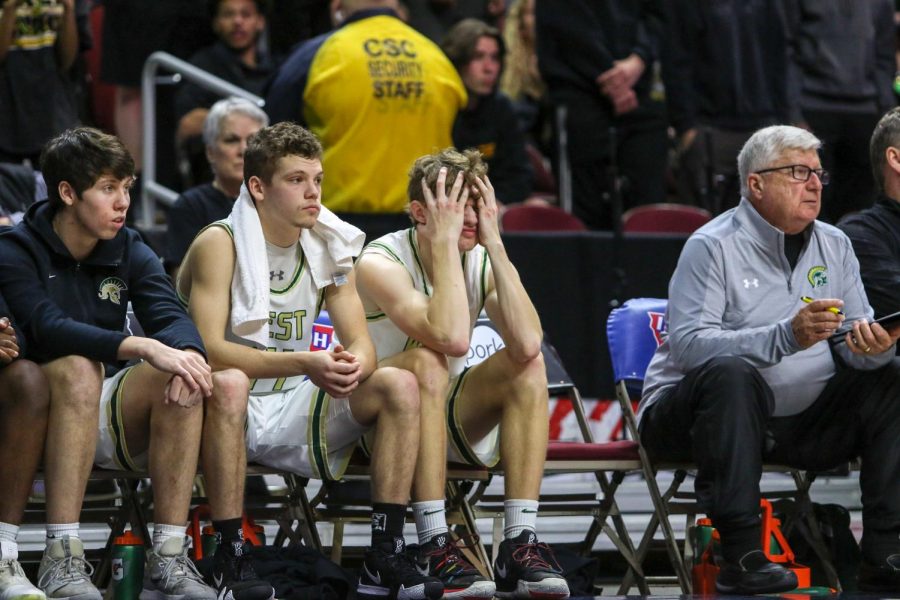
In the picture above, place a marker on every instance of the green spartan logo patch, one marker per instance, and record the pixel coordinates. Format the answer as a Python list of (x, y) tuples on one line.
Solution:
[(817, 277)]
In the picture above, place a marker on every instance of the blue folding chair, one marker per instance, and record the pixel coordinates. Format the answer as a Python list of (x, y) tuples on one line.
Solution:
[(634, 331)]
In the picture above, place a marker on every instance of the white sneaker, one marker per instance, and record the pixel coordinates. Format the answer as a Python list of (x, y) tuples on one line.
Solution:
[(13, 583), (170, 574), (64, 572)]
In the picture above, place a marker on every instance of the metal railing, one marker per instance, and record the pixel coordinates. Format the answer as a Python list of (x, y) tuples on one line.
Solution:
[(152, 191)]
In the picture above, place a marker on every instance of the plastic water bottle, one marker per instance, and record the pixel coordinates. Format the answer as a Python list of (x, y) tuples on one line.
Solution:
[(127, 567)]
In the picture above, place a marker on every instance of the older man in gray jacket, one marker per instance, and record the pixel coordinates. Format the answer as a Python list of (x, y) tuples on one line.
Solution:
[(752, 371)]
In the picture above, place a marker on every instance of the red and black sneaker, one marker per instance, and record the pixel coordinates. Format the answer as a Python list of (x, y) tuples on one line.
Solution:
[(526, 568), (441, 558)]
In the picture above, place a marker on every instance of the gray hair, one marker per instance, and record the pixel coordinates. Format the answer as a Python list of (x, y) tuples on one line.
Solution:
[(886, 135), (212, 126), (769, 143)]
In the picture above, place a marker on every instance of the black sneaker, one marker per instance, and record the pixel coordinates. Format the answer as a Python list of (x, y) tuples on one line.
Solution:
[(526, 568), (389, 572), (880, 578), (441, 558), (233, 576), (755, 574)]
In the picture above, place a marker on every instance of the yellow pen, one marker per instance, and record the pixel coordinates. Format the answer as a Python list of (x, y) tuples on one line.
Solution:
[(833, 309)]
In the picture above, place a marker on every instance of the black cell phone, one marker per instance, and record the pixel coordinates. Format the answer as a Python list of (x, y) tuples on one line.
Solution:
[(885, 321)]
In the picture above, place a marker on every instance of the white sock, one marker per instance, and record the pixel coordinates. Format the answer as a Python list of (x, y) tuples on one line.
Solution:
[(431, 519), (163, 533), (519, 515), (9, 548), (8, 532), (56, 531)]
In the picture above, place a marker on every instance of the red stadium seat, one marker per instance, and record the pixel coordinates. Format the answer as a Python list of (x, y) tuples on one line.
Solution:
[(539, 217), (664, 217)]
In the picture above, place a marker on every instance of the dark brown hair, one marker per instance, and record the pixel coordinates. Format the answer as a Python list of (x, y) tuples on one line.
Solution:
[(80, 156), (886, 135), (460, 41), (267, 145)]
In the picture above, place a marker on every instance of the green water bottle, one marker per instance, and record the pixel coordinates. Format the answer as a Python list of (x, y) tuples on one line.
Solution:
[(702, 538), (127, 567), (209, 540)]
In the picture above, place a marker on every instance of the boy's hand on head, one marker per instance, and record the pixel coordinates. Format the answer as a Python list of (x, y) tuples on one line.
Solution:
[(488, 212), (445, 210)]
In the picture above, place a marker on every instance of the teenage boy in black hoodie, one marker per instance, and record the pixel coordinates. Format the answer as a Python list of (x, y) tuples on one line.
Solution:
[(69, 271)]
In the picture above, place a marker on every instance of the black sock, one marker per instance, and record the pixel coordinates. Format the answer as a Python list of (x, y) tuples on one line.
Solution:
[(230, 530), (877, 545), (738, 542), (387, 522)]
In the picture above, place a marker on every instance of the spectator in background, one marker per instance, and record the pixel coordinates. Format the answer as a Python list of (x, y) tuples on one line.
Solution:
[(596, 58), (38, 45), (728, 72), (521, 79), (378, 94), (132, 30), (875, 232), (845, 51), (228, 126), (488, 123), (434, 18), (293, 21), (235, 57)]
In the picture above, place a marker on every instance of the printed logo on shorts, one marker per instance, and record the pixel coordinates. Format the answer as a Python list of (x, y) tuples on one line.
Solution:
[(111, 289), (817, 276)]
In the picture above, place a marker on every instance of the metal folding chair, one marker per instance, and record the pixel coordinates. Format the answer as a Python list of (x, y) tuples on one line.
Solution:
[(608, 462)]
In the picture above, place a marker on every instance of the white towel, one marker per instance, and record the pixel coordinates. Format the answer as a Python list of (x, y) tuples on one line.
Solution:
[(250, 282), (330, 247)]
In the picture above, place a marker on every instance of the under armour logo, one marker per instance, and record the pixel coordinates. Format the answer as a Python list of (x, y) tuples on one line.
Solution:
[(749, 282), (274, 274), (379, 521)]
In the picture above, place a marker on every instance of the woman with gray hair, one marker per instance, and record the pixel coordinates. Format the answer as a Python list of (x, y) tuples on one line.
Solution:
[(227, 127)]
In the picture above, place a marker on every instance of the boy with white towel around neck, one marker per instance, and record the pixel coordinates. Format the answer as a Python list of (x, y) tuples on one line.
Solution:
[(254, 284)]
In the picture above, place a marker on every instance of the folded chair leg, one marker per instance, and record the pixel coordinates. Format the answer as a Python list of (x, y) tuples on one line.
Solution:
[(467, 517), (656, 522), (661, 508), (302, 511)]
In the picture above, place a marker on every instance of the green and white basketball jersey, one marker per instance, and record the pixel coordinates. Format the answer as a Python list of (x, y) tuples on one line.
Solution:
[(401, 247)]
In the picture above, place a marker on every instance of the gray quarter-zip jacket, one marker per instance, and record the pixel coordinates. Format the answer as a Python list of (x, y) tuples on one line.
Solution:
[(733, 294)]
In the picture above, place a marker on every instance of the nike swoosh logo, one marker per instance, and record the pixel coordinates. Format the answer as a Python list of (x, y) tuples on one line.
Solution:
[(433, 512), (375, 578), (51, 276), (501, 571), (528, 510)]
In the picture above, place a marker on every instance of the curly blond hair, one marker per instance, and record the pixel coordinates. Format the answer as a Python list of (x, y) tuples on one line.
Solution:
[(470, 162), (520, 75)]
